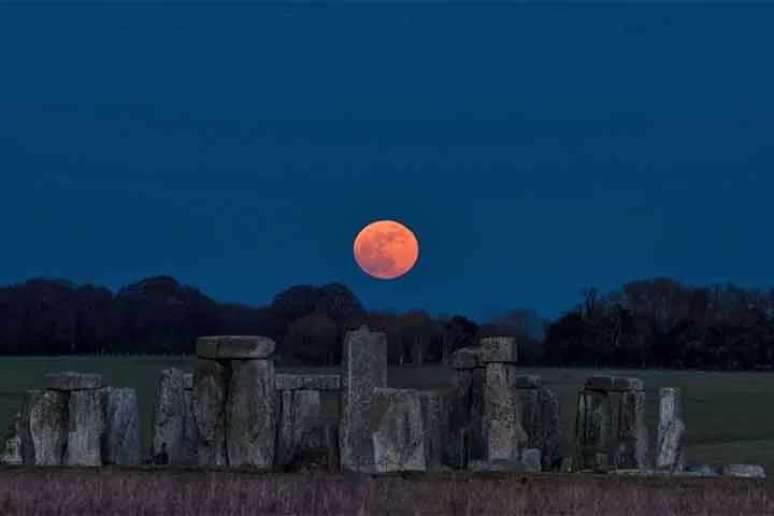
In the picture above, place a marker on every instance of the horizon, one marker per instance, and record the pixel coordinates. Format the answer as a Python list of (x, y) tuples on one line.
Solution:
[(535, 150)]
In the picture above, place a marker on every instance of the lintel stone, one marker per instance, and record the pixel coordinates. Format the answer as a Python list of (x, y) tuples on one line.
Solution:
[(312, 382), (234, 347), (498, 349), (613, 383), (72, 381)]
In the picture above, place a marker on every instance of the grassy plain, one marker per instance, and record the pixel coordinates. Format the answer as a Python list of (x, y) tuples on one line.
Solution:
[(729, 416)]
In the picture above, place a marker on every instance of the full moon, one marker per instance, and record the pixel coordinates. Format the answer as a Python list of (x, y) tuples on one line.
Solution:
[(386, 249)]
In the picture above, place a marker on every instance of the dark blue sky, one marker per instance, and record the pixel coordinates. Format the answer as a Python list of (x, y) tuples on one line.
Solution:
[(534, 150)]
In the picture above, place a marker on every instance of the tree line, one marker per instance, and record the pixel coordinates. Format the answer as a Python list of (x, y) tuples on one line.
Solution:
[(649, 323)]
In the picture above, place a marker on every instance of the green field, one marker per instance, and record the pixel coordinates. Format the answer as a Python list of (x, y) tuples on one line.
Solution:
[(728, 415)]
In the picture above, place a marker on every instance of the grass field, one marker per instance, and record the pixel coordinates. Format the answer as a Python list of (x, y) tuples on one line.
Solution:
[(729, 415)]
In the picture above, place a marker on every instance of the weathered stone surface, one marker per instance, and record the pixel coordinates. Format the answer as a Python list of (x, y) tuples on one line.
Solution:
[(313, 382), (613, 383), (188, 381), (671, 429), (593, 431), (498, 349), (121, 438), (250, 414), (398, 430), (71, 381), (47, 426), (528, 381), (744, 470), (499, 465), (169, 419), (703, 470), (300, 425), (209, 399), (532, 459), (539, 416), (632, 435), (190, 448), (465, 358), (11, 451), (228, 347), (435, 423), (565, 465), (364, 367), (456, 453), (503, 431), (86, 424)]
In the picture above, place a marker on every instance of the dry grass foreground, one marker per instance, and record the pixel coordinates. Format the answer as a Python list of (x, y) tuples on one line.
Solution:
[(119, 491)]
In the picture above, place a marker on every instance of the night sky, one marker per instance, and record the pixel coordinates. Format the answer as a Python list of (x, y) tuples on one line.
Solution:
[(534, 150)]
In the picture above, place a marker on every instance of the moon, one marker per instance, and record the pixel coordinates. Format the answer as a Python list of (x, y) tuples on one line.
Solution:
[(386, 249)]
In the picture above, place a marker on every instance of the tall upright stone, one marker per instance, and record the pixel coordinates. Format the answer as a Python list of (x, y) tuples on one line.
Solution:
[(632, 434), (47, 426), (364, 368), (502, 429), (671, 430), (11, 446), (190, 431), (86, 425), (593, 431), (169, 418), (121, 438), (250, 430), (302, 437), (398, 430), (435, 407), (234, 400), (209, 398)]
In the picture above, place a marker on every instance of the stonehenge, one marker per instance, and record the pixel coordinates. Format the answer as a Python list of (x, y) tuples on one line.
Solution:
[(235, 410)]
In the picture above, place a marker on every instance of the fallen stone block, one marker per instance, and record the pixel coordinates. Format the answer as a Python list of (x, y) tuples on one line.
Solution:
[(121, 438), (498, 349), (398, 430), (250, 423), (72, 381), (312, 382), (86, 424), (744, 471), (227, 347)]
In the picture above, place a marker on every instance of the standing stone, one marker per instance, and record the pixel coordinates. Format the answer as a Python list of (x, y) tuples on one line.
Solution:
[(209, 397), (434, 420), (11, 451), (498, 349), (398, 432), (456, 448), (671, 430), (632, 433), (250, 414), (539, 415), (169, 418), (502, 429), (86, 424), (47, 426), (300, 429), (593, 431), (551, 438), (121, 438), (364, 367), (190, 448)]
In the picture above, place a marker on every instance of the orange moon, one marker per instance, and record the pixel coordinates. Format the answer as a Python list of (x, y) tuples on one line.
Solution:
[(386, 249)]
